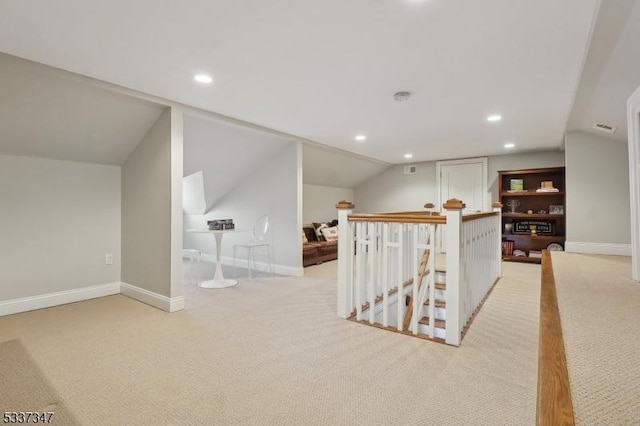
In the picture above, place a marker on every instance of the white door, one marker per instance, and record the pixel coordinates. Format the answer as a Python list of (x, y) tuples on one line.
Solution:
[(465, 180)]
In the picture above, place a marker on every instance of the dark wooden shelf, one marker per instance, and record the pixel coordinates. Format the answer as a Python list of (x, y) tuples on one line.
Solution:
[(533, 216), (531, 194), (530, 199), (524, 259), (536, 237)]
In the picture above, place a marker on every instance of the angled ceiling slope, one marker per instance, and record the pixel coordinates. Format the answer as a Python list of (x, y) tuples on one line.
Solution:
[(50, 113), (226, 153), (335, 168), (611, 72)]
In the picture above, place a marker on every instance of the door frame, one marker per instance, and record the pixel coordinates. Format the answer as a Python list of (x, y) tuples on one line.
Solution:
[(485, 188), (633, 125)]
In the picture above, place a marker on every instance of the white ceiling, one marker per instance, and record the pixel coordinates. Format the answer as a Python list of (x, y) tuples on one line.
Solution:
[(327, 70)]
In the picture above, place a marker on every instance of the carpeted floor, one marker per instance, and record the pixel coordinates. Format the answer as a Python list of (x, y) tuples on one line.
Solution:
[(25, 389), (599, 306), (272, 351)]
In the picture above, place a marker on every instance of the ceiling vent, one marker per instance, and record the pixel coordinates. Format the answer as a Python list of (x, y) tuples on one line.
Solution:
[(401, 96), (410, 170), (604, 128)]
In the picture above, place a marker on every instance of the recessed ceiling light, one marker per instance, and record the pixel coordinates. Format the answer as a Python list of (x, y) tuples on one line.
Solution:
[(509, 145), (203, 78), (361, 138), (494, 117), (408, 156)]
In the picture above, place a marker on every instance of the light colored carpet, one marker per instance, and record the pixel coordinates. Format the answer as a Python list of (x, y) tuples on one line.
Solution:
[(599, 305), (23, 388), (328, 270), (271, 351)]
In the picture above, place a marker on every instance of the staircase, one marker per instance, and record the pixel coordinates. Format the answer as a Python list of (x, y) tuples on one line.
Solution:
[(388, 277), (440, 311)]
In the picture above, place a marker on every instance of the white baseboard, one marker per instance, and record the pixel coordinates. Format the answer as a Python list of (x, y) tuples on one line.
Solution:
[(168, 304), (598, 248), (31, 303), (291, 271)]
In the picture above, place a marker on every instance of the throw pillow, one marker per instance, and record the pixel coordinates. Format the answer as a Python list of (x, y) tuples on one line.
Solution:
[(330, 234), (319, 229), (304, 238)]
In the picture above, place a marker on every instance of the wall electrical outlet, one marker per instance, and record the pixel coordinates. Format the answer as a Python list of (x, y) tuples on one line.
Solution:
[(108, 259)]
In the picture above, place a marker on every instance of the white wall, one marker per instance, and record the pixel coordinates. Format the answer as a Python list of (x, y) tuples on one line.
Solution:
[(392, 190), (319, 202), (598, 212), (146, 211), (58, 219), (272, 189)]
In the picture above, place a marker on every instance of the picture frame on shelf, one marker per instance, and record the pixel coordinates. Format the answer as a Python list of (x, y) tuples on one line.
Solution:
[(556, 209)]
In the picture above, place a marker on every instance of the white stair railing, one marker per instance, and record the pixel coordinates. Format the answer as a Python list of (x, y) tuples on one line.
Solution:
[(473, 250), (384, 257)]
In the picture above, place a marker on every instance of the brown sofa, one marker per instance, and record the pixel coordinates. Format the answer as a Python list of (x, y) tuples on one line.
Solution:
[(317, 250)]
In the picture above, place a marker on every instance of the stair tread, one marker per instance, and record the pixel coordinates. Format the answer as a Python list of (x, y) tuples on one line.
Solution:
[(438, 323), (379, 298), (393, 290), (440, 303)]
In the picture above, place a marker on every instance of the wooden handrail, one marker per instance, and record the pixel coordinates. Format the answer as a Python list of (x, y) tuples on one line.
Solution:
[(554, 393), (476, 216), (413, 217), (408, 217)]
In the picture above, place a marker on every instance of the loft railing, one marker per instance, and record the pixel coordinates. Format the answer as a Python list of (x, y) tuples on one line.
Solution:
[(389, 258)]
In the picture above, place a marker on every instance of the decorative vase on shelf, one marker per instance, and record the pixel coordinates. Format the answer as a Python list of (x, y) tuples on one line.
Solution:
[(513, 205), (507, 228)]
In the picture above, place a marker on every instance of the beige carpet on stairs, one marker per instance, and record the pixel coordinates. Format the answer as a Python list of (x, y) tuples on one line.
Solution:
[(600, 314), (271, 351)]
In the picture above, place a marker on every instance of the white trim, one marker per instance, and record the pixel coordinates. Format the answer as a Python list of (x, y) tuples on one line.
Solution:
[(167, 304), (485, 189), (31, 303), (598, 248), (633, 124), (290, 271), (176, 226)]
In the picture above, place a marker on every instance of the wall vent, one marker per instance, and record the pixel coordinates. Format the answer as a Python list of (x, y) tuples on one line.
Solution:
[(410, 170), (604, 128)]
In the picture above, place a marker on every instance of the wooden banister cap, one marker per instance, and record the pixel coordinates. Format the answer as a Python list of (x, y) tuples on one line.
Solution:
[(497, 205), (344, 204), (429, 206), (454, 204)]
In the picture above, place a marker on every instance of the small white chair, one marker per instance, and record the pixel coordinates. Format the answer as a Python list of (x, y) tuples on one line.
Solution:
[(260, 239), (192, 254)]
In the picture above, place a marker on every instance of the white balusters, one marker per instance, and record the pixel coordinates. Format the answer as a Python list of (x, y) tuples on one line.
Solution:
[(415, 299), (385, 274), (432, 280), (359, 272), (371, 276), (401, 262), (383, 251)]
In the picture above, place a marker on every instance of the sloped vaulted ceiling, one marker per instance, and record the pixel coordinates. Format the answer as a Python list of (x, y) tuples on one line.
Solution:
[(50, 113)]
